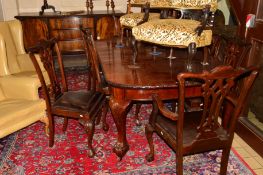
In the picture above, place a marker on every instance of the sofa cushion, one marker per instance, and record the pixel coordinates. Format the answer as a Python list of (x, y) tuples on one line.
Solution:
[(177, 4), (9, 47), (2, 96), (16, 113), (139, 2), (172, 32)]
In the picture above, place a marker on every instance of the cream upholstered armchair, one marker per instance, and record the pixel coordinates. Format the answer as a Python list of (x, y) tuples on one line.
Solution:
[(20, 104), (184, 32), (12, 50)]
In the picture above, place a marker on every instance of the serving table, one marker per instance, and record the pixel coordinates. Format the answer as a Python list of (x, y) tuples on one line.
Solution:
[(66, 26)]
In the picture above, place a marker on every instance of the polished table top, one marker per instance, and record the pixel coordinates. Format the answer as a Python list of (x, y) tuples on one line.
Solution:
[(129, 82), (149, 72)]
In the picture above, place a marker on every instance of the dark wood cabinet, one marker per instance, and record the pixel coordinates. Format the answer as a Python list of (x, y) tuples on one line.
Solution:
[(67, 32), (66, 28)]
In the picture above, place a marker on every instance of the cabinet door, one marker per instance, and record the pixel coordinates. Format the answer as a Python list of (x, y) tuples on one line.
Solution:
[(67, 31), (34, 30)]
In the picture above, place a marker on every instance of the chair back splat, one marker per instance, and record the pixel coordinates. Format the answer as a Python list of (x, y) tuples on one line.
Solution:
[(223, 92), (84, 105), (92, 56), (98, 81)]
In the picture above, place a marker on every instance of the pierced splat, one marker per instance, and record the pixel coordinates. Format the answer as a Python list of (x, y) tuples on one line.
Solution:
[(48, 63), (214, 94)]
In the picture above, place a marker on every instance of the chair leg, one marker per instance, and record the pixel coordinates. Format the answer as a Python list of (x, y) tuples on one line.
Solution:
[(89, 79), (224, 160), (65, 124), (174, 106), (45, 120), (98, 118), (149, 133), (191, 54), (89, 127), (205, 60), (105, 109), (51, 130), (122, 34), (137, 110), (179, 164)]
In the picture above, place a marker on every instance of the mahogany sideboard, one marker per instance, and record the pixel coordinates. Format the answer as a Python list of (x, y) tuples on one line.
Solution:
[(66, 27)]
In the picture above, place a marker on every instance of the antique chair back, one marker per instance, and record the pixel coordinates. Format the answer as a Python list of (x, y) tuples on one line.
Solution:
[(99, 80), (92, 56), (83, 105), (213, 127), (229, 50)]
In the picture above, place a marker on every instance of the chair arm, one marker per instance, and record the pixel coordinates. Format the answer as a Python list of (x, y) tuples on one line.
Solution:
[(204, 22), (146, 8), (163, 109), (15, 87), (26, 64)]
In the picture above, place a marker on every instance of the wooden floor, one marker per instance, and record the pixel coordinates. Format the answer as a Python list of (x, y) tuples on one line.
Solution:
[(248, 154)]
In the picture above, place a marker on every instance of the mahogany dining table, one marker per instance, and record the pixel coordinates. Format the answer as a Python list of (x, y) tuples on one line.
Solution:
[(131, 79)]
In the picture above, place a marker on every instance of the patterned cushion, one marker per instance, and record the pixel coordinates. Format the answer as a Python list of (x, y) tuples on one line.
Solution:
[(192, 4), (138, 1), (172, 32), (200, 4), (132, 19)]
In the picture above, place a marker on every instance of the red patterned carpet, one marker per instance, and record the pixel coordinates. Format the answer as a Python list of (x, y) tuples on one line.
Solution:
[(27, 151)]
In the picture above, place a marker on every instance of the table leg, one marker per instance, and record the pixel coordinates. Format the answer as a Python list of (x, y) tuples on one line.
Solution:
[(119, 110)]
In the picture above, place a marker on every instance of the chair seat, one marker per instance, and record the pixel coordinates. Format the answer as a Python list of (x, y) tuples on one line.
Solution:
[(172, 33), (133, 19), (191, 121), (80, 102)]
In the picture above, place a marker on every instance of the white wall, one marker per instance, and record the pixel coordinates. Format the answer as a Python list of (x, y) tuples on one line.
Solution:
[(222, 5), (67, 5), (1, 11), (11, 8)]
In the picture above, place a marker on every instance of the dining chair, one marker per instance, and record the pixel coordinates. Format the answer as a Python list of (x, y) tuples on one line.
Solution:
[(97, 80), (229, 50), (213, 127), (100, 83), (191, 30), (83, 105)]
